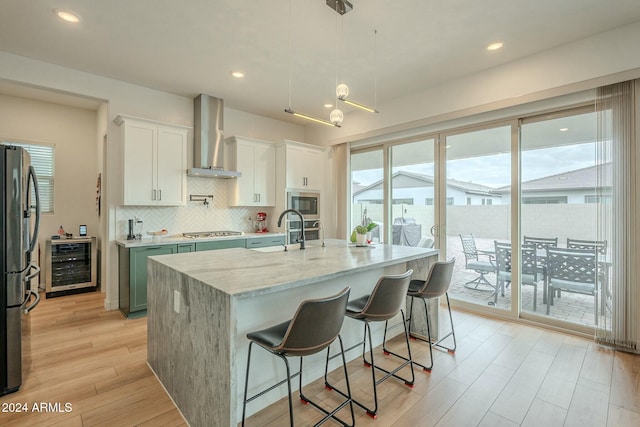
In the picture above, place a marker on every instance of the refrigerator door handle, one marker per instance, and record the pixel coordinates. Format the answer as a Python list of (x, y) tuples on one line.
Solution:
[(33, 274), (34, 238), (33, 305)]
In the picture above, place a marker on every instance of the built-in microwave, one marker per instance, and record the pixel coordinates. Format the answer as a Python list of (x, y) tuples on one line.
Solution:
[(307, 203)]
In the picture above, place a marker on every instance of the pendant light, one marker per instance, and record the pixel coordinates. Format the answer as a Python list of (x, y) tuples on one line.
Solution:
[(336, 116), (342, 90), (289, 110)]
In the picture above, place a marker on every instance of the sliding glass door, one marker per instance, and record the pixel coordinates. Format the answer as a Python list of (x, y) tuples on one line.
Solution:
[(559, 207), (477, 169), (368, 191), (495, 197), (402, 205), (413, 193)]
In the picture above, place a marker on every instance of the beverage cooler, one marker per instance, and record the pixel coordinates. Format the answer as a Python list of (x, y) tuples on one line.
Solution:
[(70, 264)]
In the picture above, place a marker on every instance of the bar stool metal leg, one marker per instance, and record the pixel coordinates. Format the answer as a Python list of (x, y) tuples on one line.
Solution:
[(429, 340), (372, 412)]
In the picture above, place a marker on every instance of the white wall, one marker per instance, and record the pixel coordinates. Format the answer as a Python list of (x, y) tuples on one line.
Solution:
[(72, 131)]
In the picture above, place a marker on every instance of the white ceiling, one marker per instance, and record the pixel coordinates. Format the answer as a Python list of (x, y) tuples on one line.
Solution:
[(190, 47)]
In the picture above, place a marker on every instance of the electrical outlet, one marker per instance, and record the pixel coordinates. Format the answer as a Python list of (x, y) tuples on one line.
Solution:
[(176, 301)]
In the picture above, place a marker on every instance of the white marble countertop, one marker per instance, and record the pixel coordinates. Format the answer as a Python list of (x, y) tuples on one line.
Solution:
[(248, 272), (179, 238)]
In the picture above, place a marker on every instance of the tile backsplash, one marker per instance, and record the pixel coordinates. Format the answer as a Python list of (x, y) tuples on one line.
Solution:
[(195, 216)]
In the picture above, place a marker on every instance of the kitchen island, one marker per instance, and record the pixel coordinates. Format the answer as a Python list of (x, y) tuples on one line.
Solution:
[(201, 306)]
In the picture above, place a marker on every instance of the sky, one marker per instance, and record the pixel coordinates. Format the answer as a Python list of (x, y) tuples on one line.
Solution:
[(495, 170)]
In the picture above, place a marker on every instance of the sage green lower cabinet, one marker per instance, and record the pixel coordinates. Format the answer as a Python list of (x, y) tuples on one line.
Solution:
[(186, 247), (133, 270), (133, 277), (133, 266), (263, 242), (220, 244)]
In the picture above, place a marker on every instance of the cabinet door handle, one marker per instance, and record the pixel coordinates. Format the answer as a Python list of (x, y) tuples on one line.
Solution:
[(153, 197), (159, 194), (258, 197)]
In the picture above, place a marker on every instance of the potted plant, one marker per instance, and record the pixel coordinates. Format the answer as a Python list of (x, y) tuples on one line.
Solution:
[(361, 234)]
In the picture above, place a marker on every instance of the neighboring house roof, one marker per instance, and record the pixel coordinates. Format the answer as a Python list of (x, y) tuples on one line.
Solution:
[(473, 188), (578, 179), (404, 179)]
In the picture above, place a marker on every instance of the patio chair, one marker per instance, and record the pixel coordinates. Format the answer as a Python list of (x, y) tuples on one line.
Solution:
[(472, 262), (528, 271), (573, 270), (599, 245), (542, 243)]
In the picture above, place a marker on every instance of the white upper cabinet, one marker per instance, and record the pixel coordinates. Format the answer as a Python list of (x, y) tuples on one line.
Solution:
[(155, 162), (257, 161), (304, 166)]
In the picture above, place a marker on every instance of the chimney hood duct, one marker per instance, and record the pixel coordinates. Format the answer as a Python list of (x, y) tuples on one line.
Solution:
[(208, 146)]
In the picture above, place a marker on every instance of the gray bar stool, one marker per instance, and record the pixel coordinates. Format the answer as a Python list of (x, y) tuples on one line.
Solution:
[(313, 328), (385, 302), (436, 285)]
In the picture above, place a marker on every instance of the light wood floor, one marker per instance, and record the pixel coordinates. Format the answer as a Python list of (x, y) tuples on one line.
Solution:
[(502, 374)]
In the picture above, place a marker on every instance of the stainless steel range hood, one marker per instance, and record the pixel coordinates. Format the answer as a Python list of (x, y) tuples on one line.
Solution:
[(208, 150)]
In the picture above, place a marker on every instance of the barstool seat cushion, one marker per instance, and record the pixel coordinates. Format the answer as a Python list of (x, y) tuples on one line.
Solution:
[(270, 337), (355, 307)]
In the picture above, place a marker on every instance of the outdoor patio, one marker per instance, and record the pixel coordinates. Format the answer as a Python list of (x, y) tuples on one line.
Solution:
[(570, 307)]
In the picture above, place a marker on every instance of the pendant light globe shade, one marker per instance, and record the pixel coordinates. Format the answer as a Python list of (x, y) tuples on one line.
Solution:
[(342, 91), (336, 117)]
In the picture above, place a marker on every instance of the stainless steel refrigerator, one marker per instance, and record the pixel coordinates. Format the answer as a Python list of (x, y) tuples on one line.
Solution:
[(19, 231)]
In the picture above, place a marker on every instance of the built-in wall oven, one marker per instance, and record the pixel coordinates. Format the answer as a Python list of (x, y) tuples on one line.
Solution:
[(311, 230), (308, 204)]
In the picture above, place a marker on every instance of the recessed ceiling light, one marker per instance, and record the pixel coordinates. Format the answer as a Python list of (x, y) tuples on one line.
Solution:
[(495, 46), (328, 105), (67, 16), (237, 74), (564, 129)]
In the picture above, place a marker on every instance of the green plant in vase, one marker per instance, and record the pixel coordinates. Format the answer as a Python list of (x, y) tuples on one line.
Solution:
[(359, 230), (361, 234)]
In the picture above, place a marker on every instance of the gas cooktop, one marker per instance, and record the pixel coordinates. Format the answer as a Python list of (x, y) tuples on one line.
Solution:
[(201, 234)]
